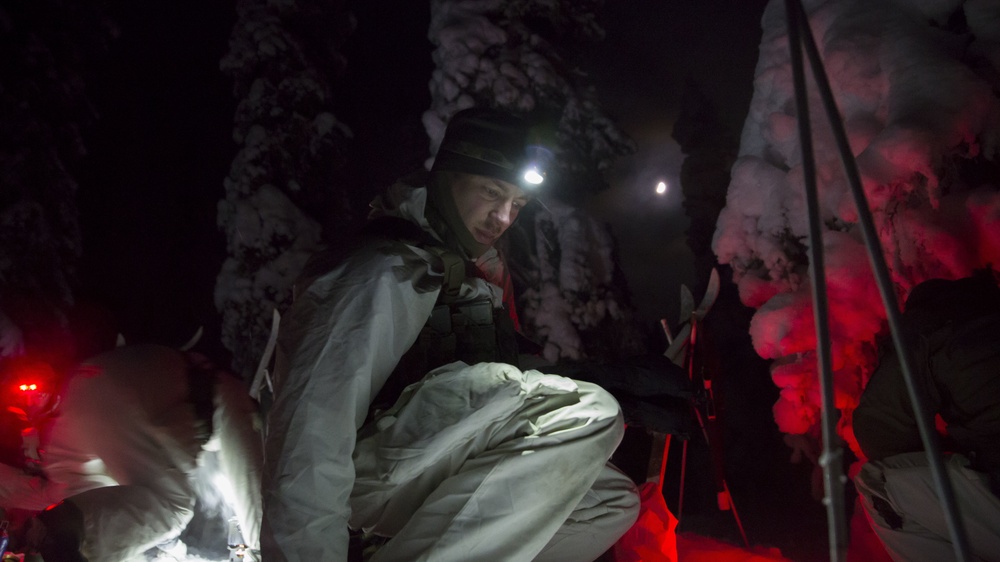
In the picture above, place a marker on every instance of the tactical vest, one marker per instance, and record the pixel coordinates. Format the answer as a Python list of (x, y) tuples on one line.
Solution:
[(473, 332)]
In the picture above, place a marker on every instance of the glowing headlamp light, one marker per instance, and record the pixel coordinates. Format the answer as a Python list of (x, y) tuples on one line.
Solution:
[(537, 163), (525, 166), (532, 176)]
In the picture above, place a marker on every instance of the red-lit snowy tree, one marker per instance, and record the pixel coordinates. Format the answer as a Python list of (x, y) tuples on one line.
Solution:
[(916, 84)]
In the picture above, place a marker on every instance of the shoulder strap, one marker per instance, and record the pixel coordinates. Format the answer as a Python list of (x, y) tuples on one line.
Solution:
[(261, 375), (453, 265)]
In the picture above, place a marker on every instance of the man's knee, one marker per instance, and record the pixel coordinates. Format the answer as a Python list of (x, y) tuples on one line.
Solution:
[(604, 411)]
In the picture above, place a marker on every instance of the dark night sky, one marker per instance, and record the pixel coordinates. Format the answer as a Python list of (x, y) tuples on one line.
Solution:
[(653, 50), (155, 165), (162, 146)]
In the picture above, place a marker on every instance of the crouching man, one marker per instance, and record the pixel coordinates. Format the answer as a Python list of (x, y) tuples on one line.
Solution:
[(475, 459), (119, 445), (952, 327)]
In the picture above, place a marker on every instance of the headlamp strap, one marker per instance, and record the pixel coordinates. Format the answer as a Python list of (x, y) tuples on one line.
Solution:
[(482, 153)]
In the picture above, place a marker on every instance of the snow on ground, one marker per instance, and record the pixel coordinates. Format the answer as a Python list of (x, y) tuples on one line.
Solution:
[(695, 548)]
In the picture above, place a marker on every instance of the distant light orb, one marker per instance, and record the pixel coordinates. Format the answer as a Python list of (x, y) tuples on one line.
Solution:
[(661, 188)]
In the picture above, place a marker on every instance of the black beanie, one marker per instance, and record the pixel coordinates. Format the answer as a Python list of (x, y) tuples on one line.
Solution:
[(486, 142), (482, 141)]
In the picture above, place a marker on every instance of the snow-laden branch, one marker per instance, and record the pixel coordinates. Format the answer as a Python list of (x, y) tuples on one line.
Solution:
[(918, 99), (489, 52), (282, 57)]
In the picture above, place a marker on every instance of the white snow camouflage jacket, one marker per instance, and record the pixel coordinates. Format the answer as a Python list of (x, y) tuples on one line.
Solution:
[(337, 346)]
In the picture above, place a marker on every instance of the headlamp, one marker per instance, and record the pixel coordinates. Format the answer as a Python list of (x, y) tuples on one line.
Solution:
[(494, 143), (533, 176), (29, 385), (535, 167)]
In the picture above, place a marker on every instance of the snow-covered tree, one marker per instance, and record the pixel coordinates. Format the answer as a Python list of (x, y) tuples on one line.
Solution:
[(917, 86), (46, 46), (518, 56), (283, 185), (573, 301)]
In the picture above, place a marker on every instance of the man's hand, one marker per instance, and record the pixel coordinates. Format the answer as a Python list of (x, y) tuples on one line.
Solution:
[(653, 392)]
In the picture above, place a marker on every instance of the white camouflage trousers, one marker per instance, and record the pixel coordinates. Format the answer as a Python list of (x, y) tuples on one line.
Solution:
[(129, 469), (487, 462), (903, 484)]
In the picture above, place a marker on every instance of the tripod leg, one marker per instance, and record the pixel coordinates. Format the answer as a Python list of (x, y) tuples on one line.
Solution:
[(659, 452), (680, 495), (736, 516), (663, 463)]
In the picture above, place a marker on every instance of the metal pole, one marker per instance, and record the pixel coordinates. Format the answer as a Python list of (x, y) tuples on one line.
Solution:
[(832, 457), (877, 258)]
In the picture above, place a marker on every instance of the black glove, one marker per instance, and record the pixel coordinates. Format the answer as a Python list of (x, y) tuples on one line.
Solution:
[(662, 414), (653, 392), (640, 376), (57, 533)]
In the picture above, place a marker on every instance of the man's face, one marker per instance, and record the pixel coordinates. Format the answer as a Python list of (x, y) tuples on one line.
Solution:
[(487, 206)]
